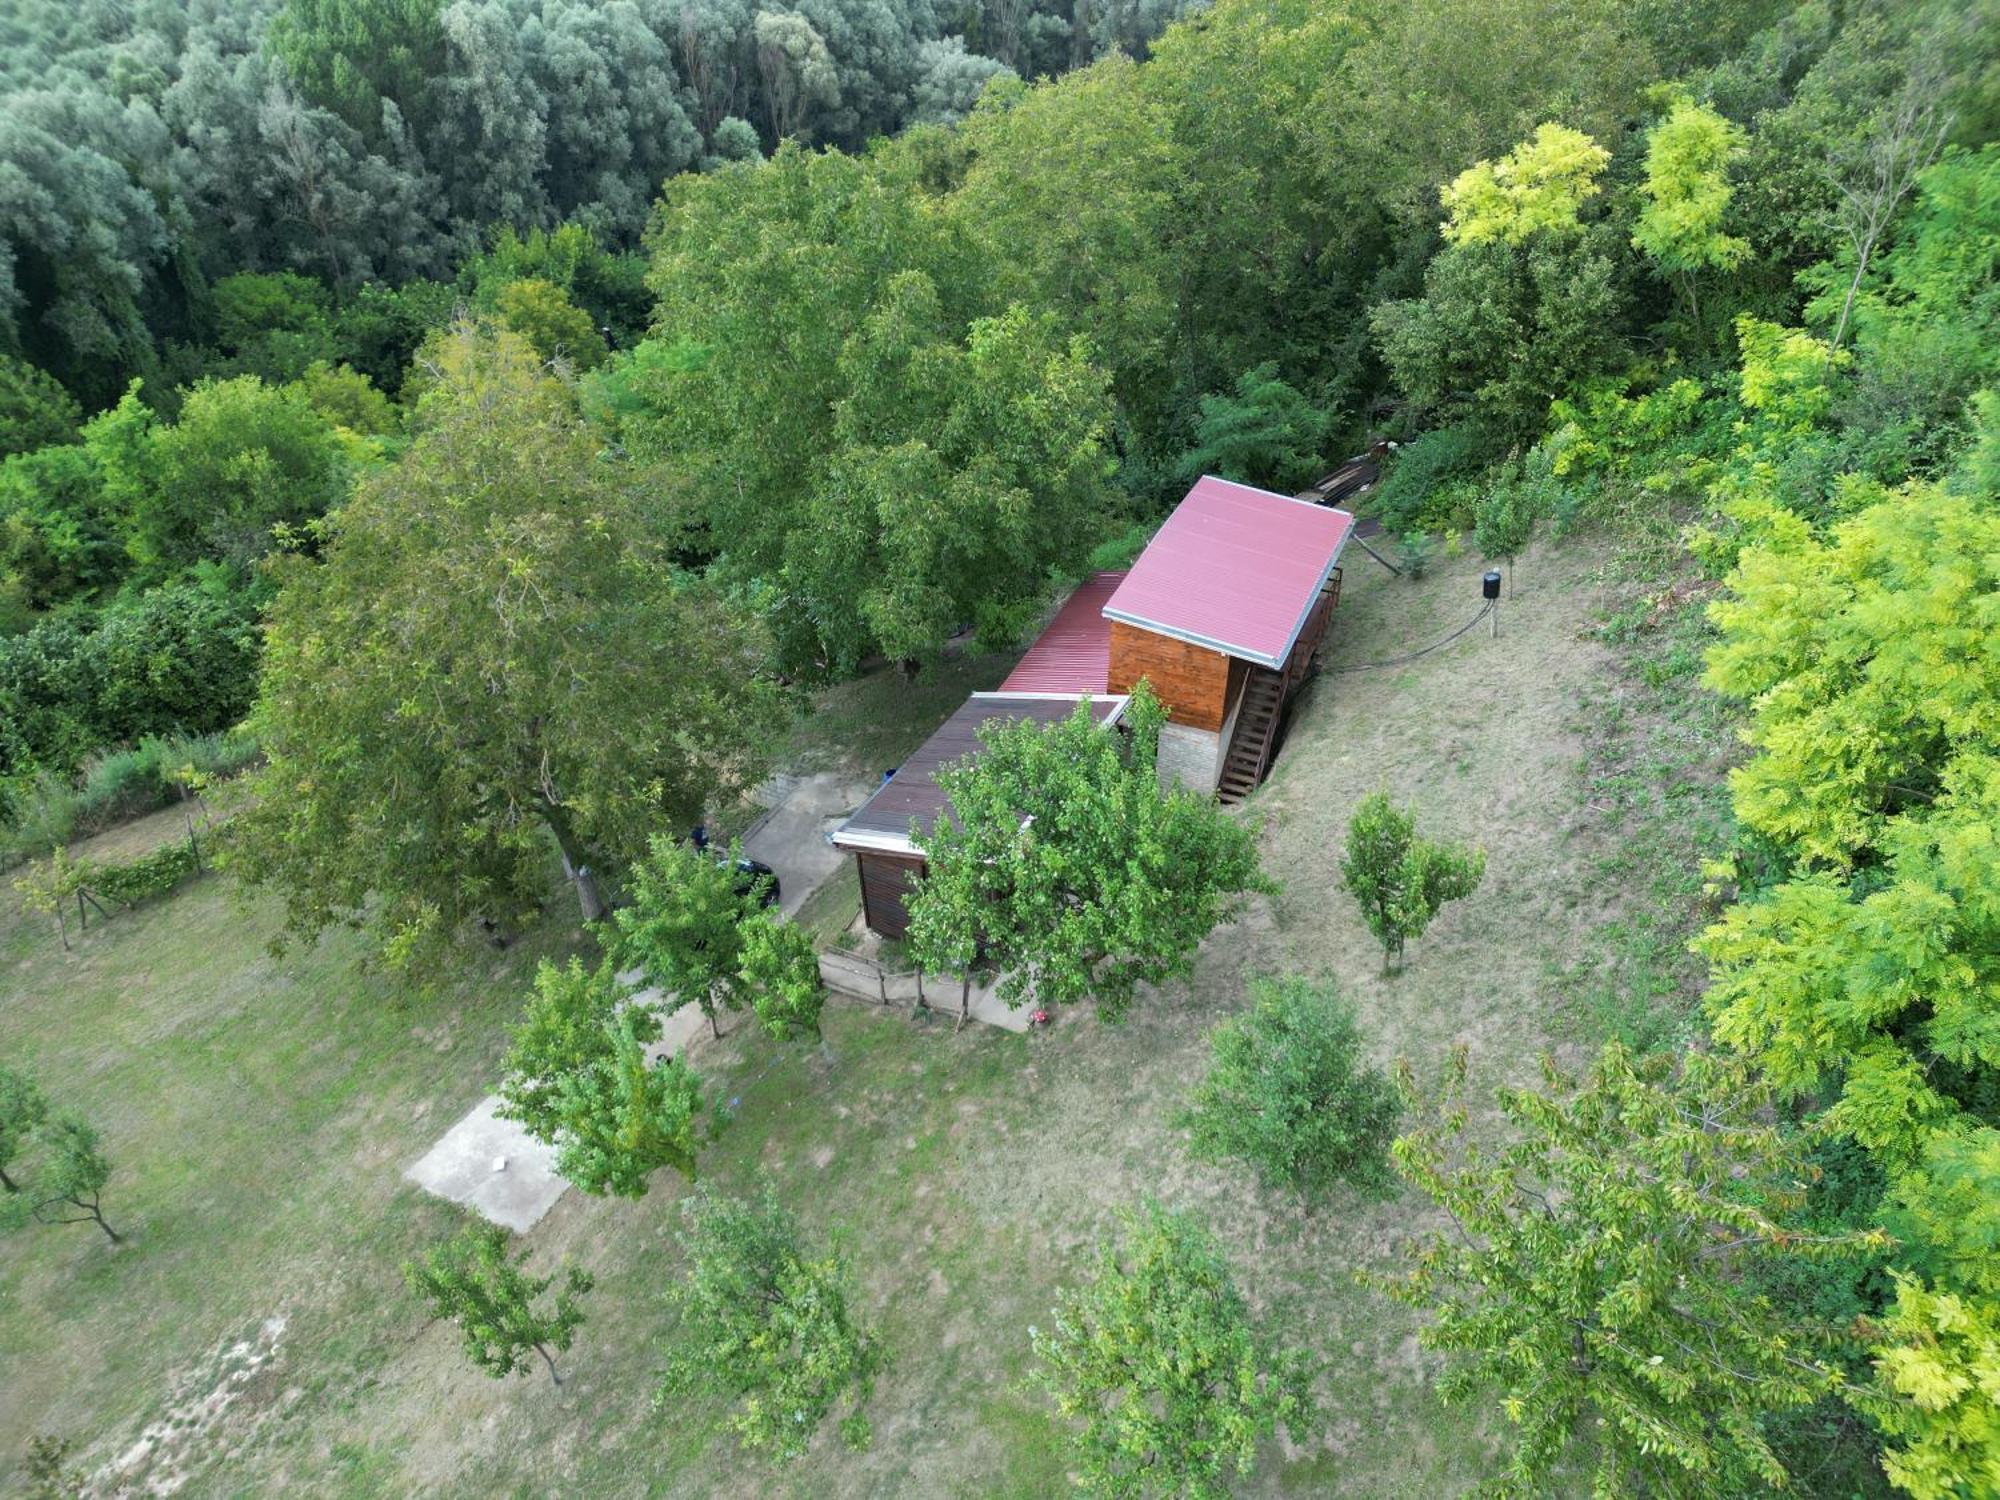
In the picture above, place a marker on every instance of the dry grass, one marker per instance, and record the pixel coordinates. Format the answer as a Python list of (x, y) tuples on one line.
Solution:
[(966, 1174)]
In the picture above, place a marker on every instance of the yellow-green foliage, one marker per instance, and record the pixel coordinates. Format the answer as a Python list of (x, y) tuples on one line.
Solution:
[(1868, 658), (1539, 185), (1939, 1382), (1687, 188)]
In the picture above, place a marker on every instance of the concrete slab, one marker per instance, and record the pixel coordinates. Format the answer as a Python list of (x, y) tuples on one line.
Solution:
[(791, 837), (493, 1167)]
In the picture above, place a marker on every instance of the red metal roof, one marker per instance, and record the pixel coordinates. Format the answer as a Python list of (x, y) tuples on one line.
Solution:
[(1234, 569), (1074, 654)]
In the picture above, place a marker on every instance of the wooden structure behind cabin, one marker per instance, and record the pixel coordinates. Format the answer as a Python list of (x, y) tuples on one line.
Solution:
[(1223, 614), (878, 835)]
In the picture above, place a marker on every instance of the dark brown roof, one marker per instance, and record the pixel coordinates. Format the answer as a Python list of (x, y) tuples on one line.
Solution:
[(912, 795)]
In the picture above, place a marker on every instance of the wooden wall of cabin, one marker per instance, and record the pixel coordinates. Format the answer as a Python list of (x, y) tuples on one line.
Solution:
[(885, 887), (1192, 681)]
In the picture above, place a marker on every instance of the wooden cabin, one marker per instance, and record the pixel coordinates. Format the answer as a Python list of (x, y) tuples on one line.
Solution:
[(1223, 614)]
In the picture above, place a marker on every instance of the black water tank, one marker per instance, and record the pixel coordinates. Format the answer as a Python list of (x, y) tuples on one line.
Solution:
[(1489, 584)]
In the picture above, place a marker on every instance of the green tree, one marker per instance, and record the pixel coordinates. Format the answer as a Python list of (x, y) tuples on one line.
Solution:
[(1505, 517), (1289, 1093), (1592, 1277), (1687, 197), (1401, 881), (780, 968), (497, 650), (63, 1179), (554, 326), (22, 1112), (347, 398), (471, 1280), (1266, 434), (35, 411), (244, 463), (765, 1324), (353, 56), (1069, 867), (50, 1474), (1504, 329), (1157, 1359)]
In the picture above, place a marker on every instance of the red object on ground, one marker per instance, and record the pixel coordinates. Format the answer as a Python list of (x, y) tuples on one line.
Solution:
[(1234, 569), (1074, 654)]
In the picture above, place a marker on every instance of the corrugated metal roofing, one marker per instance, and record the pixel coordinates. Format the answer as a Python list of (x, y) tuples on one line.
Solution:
[(912, 795), (1235, 569), (1074, 654)]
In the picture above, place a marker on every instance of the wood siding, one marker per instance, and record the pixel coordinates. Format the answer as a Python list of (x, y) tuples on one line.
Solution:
[(1192, 681), (885, 886)]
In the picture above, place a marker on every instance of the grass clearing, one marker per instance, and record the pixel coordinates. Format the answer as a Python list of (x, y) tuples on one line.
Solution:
[(260, 1112)]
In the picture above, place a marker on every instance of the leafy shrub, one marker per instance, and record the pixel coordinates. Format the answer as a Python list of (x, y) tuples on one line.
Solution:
[(50, 809), (176, 660), (143, 878), (1122, 550), (1424, 474), (1289, 1093)]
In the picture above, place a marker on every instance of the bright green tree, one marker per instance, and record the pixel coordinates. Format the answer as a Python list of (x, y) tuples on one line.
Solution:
[(244, 463), (1539, 187), (471, 1280), (1267, 433), (779, 966), (683, 924), (1071, 869), (1591, 1281), (1867, 659), (1937, 1392), (1290, 1094), (563, 1032), (1401, 881), (1687, 196), (766, 1324), (496, 651), (623, 1118), (1158, 1362), (22, 1111)]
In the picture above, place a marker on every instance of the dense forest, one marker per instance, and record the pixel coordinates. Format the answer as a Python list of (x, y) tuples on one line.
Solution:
[(488, 416)]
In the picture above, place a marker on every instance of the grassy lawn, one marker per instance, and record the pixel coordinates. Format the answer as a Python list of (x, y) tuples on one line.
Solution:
[(260, 1112)]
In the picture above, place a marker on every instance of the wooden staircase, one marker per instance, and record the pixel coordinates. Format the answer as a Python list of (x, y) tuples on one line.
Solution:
[(1249, 754)]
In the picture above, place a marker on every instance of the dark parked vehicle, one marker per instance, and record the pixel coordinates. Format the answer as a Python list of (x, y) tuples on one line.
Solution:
[(752, 875)]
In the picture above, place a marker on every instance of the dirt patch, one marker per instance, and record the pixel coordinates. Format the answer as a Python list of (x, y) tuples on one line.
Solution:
[(214, 1408)]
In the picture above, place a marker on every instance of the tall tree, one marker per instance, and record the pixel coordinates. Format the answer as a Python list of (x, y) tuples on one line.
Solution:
[(1070, 869), (1687, 191), (353, 56), (1591, 1277), (496, 651), (685, 923), (471, 1280), (1157, 1359)]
